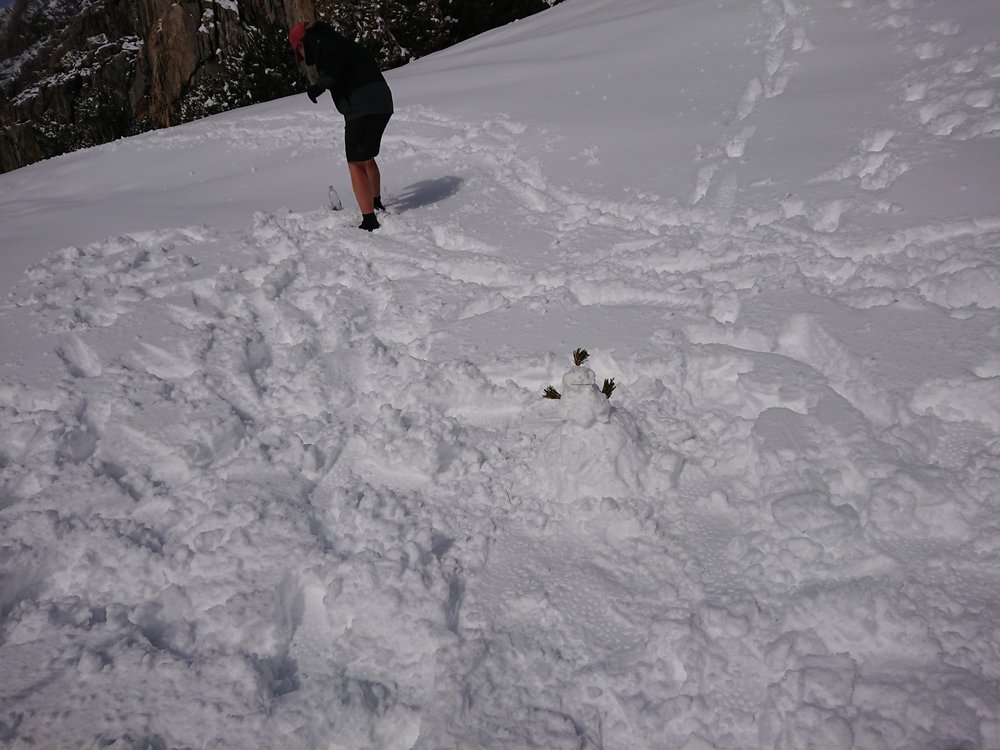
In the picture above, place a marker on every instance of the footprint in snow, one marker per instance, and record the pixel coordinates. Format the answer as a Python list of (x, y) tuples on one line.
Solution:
[(80, 359)]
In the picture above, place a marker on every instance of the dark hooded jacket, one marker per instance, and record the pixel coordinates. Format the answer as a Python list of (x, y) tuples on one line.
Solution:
[(348, 71)]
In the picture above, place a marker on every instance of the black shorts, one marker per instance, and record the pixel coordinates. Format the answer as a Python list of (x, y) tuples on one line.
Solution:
[(363, 136)]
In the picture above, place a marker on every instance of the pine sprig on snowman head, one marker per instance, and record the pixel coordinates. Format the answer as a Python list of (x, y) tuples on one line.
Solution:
[(580, 356)]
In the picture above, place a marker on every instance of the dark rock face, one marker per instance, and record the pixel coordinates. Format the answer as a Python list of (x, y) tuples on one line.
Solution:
[(76, 73), (51, 50), (79, 72)]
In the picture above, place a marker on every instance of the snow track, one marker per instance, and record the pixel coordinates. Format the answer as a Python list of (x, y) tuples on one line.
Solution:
[(281, 483)]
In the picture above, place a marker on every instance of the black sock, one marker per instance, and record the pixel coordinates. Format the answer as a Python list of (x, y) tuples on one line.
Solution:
[(378, 203), (368, 222)]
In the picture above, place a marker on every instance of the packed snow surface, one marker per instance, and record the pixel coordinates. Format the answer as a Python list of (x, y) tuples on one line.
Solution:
[(269, 481)]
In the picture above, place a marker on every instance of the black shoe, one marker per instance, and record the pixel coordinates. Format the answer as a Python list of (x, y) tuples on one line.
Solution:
[(369, 223), (378, 203)]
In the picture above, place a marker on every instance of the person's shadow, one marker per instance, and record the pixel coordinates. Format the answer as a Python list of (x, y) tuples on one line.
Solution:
[(426, 192)]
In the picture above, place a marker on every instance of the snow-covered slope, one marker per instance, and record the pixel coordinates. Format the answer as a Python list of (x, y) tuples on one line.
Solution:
[(270, 481)]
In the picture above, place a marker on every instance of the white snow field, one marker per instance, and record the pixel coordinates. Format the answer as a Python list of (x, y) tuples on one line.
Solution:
[(269, 481)]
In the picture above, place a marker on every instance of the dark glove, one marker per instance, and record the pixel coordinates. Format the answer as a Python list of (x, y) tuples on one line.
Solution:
[(314, 91)]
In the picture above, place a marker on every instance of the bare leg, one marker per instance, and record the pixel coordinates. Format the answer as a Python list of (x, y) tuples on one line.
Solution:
[(361, 181), (374, 177)]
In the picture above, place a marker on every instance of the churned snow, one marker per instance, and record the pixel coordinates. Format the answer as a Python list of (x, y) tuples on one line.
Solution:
[(270, 481)]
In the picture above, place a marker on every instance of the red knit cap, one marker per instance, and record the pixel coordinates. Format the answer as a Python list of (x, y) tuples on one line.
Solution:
[(296, 35)]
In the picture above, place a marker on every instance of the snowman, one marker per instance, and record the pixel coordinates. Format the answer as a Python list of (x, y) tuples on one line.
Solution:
[(581, 402), (595, 452)]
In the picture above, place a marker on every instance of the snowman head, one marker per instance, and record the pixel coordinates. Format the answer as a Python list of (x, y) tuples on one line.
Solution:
[(579, 377)]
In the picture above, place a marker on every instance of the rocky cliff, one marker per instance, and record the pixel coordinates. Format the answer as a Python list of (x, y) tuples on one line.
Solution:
[(79, 72), (75, 73)]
